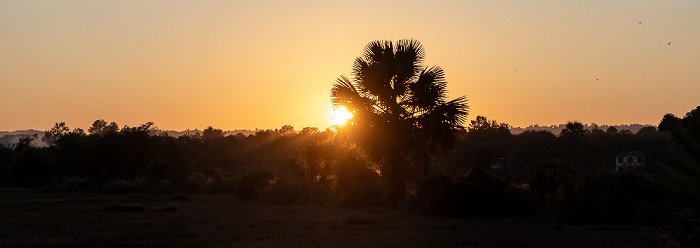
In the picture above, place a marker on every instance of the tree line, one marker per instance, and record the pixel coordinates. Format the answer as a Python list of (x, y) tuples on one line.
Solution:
[(570, 174)]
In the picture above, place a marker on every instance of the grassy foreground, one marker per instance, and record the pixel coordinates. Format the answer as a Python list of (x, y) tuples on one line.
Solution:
[(34, 218)]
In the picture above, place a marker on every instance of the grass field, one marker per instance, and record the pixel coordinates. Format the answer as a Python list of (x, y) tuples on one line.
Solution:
[(34, 218)]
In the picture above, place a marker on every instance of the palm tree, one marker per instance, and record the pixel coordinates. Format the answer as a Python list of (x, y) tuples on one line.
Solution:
[(400, 110)]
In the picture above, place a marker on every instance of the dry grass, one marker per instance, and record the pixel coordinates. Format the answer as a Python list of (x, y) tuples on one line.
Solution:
[(32, 218)]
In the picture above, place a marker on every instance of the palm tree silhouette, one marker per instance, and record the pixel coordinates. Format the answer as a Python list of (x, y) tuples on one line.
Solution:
[(400, 110)]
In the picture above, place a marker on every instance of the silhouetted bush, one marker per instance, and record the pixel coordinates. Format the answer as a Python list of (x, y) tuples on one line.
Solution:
[(253, 182), (161, 168), (293, 190), (624, 197), (29, 166), (196, 182), (356, 180), (476, 194), (546, 177)]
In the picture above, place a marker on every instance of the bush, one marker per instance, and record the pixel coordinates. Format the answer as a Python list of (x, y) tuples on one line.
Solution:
[(196, 182), (252, 183), (621, 198), (476, 194), (357, 183)]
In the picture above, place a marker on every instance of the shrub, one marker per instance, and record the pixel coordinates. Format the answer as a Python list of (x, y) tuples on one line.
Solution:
[(250, 185), (292, 190), (476, 194), (619, 198), (120, 186), (196, 182), (356, 182)]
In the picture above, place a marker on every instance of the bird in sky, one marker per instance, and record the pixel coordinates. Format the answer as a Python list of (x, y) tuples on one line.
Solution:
[(669, 43)]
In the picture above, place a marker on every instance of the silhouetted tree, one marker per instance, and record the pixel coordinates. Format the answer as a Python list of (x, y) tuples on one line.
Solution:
[(669, 123), (487, 140), (481, 123), (286, 130), (58, 130), (572, 138), (400, 109), (309, 130), (100, 127), (28, 165), (685, 131), (212, 133), (535, 147)]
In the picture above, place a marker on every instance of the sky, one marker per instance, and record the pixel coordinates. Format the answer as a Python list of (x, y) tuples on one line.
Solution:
[(264, 64)]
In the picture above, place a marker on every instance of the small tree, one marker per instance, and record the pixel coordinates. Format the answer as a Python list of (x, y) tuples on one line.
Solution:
[(56, 132), (212, 133), (287, 130), (100, 127)]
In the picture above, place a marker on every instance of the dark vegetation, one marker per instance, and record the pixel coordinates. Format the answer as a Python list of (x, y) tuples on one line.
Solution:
[(406, 147)]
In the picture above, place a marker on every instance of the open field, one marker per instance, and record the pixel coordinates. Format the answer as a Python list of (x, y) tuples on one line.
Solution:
[(34, 218)]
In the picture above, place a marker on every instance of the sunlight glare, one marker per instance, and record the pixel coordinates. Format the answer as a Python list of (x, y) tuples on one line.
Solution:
[(339, 116)]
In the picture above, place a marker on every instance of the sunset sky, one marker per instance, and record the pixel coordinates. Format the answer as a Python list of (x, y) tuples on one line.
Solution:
[(264, 64)]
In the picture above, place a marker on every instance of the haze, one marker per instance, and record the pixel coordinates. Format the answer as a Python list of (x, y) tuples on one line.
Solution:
[(264, 64)]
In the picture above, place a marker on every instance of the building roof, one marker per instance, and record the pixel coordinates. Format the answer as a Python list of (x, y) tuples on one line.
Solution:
[(633, 153)]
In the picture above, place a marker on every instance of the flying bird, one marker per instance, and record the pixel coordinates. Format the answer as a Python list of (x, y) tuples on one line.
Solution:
[(640, 23), (669, 44)]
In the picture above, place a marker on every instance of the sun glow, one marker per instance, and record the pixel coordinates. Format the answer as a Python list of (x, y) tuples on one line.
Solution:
[(339, 116)]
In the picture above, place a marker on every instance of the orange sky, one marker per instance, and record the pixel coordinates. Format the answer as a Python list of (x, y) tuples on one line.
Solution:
[(264, 64)]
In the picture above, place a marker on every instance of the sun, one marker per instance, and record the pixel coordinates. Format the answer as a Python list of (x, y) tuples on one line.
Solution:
[(339, 116)]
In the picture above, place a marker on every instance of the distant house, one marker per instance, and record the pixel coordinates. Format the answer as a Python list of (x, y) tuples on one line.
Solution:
[(631, 158)]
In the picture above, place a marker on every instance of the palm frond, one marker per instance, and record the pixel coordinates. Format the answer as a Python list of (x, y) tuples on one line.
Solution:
[(430, 88), (345, 94), (442, 124), (378, 51), (408, 61), (457, 110), (373, 72), (410, 54)]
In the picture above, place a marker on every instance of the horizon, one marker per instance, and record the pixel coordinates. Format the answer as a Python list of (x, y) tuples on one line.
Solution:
[(297, 129), (240, 65)]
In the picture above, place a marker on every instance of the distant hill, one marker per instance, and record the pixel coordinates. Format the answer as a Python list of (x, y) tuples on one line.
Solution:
[(10, 138), (556, 129), (176, 134)]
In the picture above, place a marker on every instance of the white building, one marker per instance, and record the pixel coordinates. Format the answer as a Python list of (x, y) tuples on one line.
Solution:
[(631, 158)]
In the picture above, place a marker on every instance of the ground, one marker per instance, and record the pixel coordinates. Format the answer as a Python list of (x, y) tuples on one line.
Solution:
[(36, 218)]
